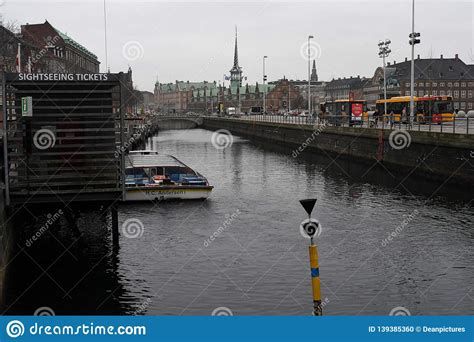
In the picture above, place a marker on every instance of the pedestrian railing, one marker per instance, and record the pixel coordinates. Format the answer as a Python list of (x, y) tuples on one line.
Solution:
[(453, 124)]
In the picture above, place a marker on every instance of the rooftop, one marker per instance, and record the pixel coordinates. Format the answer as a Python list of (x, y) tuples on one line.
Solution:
[(434, 68), (72, 42), (151, 160)]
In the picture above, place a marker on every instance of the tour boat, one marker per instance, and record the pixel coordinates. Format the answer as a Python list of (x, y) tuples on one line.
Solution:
[(158, 177)]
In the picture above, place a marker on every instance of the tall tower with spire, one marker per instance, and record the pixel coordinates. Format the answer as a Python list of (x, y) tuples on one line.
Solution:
[(314, 73), (236, 71)]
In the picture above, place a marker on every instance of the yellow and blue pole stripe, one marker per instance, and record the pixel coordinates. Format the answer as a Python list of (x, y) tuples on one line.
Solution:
[(315, 282)]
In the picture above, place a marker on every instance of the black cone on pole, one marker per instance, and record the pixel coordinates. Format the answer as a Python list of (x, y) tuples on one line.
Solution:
[(308, 205)]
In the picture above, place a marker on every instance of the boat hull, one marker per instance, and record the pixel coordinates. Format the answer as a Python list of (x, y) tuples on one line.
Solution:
[(167, 193)]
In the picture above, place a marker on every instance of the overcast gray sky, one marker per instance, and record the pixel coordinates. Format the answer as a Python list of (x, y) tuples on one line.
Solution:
[(194, 40)]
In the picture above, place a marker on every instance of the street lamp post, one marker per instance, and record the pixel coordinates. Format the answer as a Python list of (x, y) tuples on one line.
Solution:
[(264, 88), (309, 74), (384, 51), (414, 39)]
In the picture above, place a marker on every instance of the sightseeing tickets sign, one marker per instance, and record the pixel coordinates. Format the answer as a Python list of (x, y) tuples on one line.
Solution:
[(64, 77)]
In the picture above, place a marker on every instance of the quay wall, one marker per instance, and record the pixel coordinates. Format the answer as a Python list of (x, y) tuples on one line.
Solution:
[(444, 157)]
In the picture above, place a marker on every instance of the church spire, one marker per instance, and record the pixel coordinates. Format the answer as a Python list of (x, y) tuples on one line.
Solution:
[(314, 73), (236, 53), (236, 71)]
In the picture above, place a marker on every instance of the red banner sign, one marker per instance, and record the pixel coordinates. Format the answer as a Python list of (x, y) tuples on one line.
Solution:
[(357, 109)]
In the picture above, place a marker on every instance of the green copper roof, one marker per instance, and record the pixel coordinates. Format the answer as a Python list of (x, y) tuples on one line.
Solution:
[(252, 89), (72, 42)]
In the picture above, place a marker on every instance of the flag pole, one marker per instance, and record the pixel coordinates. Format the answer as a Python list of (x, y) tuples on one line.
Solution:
[(18, 57)]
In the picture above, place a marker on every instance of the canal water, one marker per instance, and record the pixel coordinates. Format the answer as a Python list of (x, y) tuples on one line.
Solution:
[(388, 242)]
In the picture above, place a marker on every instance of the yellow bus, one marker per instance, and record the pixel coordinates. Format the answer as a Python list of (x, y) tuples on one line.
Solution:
[(352, 112), (435, 109)]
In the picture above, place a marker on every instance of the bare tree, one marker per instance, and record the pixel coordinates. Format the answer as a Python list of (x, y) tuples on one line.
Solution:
[(12, 26)]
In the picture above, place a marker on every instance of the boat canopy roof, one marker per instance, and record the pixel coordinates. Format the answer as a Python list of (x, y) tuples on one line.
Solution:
[(142, 152), (137, 160)]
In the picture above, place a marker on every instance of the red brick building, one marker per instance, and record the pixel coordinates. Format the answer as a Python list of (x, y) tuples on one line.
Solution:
[(433, 76), (283, 96), (64, 53)]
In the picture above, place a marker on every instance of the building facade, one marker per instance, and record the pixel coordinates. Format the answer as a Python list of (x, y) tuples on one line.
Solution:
[(284, 96), (9, 42), (176, 97), (318, 92), (148, 100), (345, 88), (433, 76), (63, 53)]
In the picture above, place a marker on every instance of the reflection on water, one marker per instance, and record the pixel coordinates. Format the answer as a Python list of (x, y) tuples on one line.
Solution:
[(257, 262)]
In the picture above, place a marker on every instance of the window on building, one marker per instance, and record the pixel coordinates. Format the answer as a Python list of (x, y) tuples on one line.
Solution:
[(463, 105), (456, 94), (471, 84), (449, 92), (463, 84), (441, 92), (427, 84), (456, 105), (469, 94), (442, 84), (463, 94), (421, 84), (435, 84), (456, 84), (407, 84), (407, 93), (435, 93), (469, 105)]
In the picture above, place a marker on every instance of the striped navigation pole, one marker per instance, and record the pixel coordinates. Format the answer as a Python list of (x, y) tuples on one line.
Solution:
[(311, 227)]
